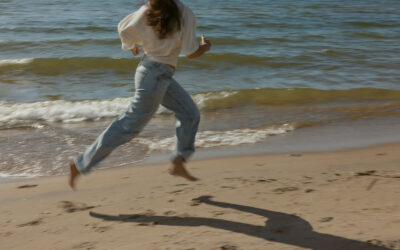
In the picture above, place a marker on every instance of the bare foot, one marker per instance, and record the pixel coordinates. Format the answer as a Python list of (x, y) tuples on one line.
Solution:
[(73, 174), (178, 169)]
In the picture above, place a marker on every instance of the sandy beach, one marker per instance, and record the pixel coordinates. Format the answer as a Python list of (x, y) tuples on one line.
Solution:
[(332, 200)]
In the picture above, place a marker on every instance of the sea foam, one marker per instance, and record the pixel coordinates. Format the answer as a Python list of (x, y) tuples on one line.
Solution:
[(62, 111), (79, 111), (16, 61), (209, 139)]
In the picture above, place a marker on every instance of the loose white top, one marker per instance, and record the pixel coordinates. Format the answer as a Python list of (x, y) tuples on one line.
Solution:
[(133, 30)]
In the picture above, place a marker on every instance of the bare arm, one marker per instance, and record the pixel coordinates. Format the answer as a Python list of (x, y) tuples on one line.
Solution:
[(205, 45), (136, 51)]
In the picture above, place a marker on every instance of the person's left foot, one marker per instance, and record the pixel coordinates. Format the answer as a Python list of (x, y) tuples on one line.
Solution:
[(178, 169), (73, 174)]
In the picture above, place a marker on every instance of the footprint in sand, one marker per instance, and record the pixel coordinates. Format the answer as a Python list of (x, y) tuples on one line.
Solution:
[(179, 185), (176, 191), (85, 245), (233, 178), (169, 212), (71, 207), (97, 228), (217, 213), (31, 223), (332, 180), (285, 189), (326, 219), (266, 180), (6, 234), (27, 186), (366, 173)]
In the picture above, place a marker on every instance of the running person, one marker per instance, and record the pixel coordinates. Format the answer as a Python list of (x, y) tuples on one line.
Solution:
[(162, 28)]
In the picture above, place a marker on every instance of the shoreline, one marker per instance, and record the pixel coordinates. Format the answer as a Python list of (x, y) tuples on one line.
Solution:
[(228, 153), (333, 137), (158, 158)]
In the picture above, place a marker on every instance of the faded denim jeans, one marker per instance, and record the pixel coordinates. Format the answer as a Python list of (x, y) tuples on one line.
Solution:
[(154, 86)]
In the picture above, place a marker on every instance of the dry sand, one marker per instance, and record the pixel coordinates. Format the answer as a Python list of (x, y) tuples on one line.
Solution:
[(335, 200)]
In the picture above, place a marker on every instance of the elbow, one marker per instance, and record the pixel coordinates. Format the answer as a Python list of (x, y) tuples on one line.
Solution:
[(196, 54), (200, 51)]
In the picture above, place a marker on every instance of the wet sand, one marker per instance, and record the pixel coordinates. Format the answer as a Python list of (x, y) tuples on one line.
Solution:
[(331, 200)]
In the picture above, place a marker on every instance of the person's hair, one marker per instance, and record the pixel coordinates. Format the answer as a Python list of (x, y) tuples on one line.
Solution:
[(164, 16)]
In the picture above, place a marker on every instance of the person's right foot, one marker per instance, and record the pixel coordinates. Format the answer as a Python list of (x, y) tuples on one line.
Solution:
[(73, 174), (178, 169)]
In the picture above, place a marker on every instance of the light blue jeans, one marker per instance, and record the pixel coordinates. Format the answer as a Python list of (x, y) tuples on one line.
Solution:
[(154, 86)]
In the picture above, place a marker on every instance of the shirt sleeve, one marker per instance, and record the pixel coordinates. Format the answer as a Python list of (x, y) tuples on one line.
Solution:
[(189, 40), (127, 32)]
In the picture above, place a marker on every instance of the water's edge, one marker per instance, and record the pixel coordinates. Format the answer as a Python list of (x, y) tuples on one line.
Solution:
[(328, 138)]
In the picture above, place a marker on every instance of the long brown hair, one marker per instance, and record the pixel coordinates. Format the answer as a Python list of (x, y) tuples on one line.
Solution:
[(164, 16)]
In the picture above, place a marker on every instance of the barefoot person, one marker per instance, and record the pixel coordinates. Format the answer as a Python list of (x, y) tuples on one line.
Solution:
[(162, 28)]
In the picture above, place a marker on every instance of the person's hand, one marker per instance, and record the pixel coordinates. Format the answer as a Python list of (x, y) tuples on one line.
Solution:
[(205, 45), (205, 42), (136, 51)]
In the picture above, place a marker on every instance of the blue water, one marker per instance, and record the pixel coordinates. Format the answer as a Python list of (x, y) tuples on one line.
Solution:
[(274, 69), (257, 44)]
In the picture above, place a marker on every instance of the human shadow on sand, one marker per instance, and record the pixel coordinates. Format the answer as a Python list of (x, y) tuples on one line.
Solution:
[(280, 227)]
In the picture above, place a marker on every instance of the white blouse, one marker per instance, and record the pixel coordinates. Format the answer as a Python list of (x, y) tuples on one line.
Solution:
[(133, 30)]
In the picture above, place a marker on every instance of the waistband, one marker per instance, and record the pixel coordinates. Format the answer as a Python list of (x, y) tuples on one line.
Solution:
[(146, 62)]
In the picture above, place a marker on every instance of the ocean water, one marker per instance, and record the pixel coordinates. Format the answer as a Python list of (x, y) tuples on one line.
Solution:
[(275, 67)]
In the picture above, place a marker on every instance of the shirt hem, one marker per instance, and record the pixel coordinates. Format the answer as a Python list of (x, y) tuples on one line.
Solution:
[(167, 62)]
